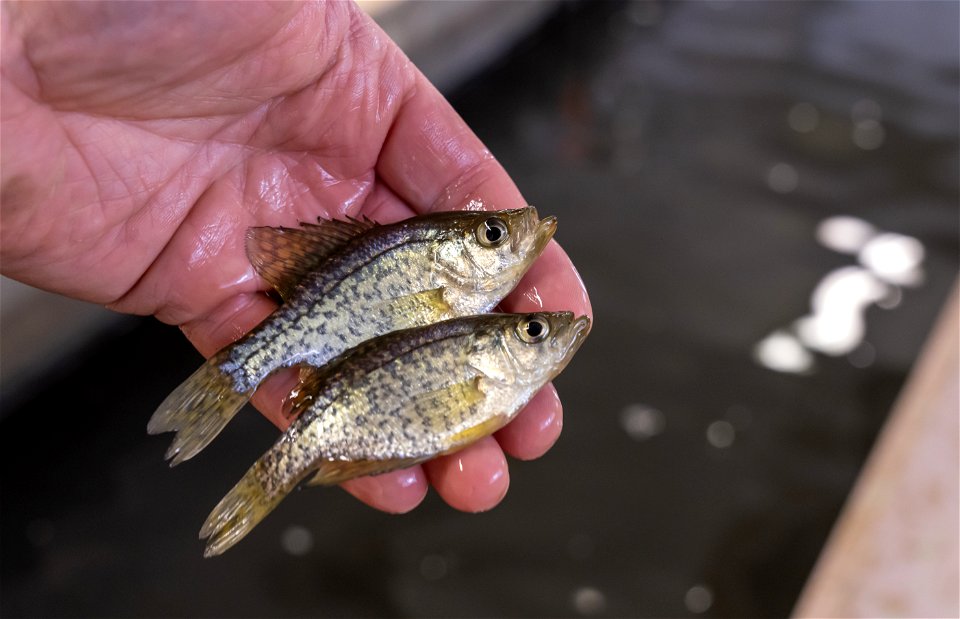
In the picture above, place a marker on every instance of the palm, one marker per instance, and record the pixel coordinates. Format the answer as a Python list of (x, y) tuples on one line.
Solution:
[(133, 166)]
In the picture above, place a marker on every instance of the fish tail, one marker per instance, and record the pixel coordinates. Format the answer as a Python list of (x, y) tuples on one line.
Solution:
[(197, 411), (239, 512)]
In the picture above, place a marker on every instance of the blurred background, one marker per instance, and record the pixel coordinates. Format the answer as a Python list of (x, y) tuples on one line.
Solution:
[(763, 201)]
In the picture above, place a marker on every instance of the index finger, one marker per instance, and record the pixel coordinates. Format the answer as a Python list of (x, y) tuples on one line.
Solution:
[(433, 161)]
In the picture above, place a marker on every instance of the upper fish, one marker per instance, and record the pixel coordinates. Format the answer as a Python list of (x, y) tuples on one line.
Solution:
[(397, 400), (343, 282)]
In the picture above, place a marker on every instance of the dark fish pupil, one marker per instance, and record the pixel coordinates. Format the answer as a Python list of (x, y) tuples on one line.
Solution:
[(534, 328), (493, 234)]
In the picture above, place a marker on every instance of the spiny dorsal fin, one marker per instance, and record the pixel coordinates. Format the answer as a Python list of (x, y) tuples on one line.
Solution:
[(283, 256)]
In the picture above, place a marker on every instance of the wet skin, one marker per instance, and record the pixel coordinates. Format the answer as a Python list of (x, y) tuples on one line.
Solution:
[(137, 150)]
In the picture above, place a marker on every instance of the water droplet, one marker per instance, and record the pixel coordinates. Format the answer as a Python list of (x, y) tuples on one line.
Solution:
[(297, 540), (533, 295), (698, 599), (783, 178), (475, 204)]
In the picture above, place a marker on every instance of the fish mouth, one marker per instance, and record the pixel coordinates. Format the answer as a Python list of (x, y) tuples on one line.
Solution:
[(542, 229), (581, 329), (569, 339)]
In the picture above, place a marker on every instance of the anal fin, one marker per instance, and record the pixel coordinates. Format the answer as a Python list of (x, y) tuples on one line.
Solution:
[(333, 472)]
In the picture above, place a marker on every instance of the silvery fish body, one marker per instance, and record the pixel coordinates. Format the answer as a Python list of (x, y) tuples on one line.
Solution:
[(343, 282), (400, 399)]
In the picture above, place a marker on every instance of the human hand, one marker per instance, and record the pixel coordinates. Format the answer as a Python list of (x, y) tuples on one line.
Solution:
[(140, 141)]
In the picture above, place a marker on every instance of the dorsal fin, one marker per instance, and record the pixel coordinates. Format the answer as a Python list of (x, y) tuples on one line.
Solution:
[(283, 256)]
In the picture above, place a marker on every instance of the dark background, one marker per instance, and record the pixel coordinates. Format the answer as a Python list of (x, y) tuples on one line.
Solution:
[(661, 138)]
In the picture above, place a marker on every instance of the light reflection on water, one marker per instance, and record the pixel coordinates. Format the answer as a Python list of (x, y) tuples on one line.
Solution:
[(837, 323), (698, 599), (589, 601)]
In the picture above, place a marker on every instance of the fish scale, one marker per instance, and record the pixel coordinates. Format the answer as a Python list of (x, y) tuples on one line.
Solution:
[(399, 399), (321, 323), (343, 283)]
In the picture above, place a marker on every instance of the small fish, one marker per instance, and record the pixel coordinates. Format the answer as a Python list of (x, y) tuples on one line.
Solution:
[(397, 400), (343, 282)]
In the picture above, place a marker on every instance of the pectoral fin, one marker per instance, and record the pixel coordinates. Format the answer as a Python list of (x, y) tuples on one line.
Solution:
[(454, 402), (422, 307), (283, 256)]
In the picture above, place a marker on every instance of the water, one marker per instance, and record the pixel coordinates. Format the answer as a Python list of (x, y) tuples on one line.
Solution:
[(747, 348)]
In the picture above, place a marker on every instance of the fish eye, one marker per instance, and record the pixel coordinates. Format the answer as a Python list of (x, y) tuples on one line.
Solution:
[(533, 329), (492, 232)]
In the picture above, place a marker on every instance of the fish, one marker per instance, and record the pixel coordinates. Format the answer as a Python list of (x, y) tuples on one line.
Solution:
[(397, 400), (344, 281)]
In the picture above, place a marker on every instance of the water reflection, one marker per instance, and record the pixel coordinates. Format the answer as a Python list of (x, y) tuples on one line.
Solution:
[(654, 150), (837, 324), (698, 599), (868, 134), (720, 434), (642, 422), (839, 301), (589, 601), (783, 178), (782, 351), (894, 258), (863, 355), (803, 117), (844, 234), (297, 540)]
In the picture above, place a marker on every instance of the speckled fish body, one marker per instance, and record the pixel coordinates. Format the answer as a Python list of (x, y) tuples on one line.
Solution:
[(345, 282), (401, 399)]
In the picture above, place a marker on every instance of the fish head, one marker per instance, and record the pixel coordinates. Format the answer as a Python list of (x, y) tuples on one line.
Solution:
[(488, 255), (531, 349)]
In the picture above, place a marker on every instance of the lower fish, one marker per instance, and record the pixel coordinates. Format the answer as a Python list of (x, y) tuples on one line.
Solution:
[(397, 400)]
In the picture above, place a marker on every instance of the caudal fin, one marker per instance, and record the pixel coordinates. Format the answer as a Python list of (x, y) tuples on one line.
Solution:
[(237, 513), (197, 411)]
